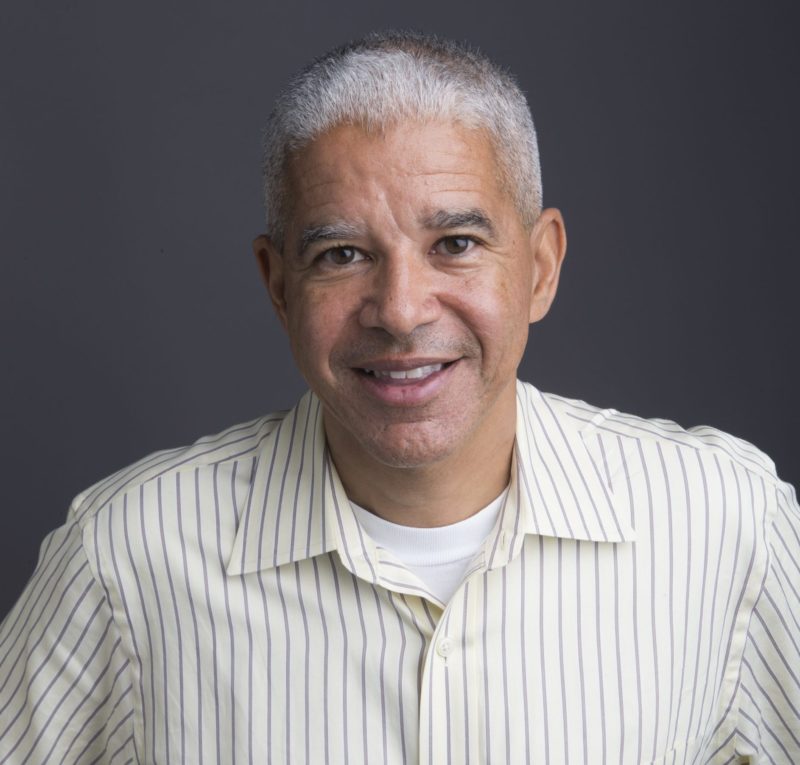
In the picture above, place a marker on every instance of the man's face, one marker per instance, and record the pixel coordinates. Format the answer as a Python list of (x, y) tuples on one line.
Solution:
[(406, 283)]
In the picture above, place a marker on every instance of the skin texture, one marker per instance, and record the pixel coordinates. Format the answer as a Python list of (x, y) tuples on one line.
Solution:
[(403, 250)]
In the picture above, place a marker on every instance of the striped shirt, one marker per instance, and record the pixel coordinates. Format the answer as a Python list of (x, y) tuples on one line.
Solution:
[(638, 601)]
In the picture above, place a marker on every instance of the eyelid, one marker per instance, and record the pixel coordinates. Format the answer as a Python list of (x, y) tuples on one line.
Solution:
[(472, 237), (324, 245)]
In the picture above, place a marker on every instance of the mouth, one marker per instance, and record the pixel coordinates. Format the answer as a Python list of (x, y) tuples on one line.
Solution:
[(407, 382), (414, 373)]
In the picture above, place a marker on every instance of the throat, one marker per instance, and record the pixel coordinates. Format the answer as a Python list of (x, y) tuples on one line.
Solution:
[(427, 496)]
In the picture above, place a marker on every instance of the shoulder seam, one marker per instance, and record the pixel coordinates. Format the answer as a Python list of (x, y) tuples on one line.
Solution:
[(88, 502)]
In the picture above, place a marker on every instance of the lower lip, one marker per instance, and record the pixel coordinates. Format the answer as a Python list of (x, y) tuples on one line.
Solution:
[(407, 392)]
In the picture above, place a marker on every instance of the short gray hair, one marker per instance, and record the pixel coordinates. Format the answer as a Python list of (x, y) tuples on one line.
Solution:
[(389, 77)]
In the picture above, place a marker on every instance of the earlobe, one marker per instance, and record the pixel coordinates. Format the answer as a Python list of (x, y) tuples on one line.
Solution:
[(548, 248), (270, 263)]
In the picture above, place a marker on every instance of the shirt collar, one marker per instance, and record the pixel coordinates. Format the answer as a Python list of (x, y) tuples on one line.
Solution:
[(296, 507), (562, 489)]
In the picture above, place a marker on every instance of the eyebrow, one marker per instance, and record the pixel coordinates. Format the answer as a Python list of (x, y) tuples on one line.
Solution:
[(327, 232), (473, 217)]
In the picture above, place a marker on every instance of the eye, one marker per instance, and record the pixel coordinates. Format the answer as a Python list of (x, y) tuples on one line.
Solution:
[(455, 245), (341, 256)]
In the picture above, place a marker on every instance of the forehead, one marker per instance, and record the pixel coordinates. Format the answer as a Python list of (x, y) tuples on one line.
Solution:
[(350, 171)]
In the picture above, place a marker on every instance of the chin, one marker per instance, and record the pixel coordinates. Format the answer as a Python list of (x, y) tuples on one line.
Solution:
[(411, 451)]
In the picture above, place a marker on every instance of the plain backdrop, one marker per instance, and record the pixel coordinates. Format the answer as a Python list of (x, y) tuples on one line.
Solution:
[(132, 314)]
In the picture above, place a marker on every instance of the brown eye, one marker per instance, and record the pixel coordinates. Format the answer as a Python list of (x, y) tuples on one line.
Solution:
[(456, 245), (342, 256)]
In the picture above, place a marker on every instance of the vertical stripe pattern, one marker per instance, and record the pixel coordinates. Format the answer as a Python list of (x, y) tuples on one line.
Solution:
[(637, 602)]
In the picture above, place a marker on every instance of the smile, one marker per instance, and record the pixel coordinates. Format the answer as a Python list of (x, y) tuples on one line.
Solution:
[(417, 373), (406, 382)]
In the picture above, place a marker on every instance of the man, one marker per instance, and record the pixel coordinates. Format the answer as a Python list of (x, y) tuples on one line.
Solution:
[(425, 560)]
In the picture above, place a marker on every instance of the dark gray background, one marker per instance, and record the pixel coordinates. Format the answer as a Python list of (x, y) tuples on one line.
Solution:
[(133, 317)]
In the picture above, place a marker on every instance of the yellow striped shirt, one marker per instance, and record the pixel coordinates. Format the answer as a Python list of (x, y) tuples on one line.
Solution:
[(638, 601)]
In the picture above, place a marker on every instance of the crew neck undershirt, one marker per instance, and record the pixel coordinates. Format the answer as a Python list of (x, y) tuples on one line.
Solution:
[(438, 556)]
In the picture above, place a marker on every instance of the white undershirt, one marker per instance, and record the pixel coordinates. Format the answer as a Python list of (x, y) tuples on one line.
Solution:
[(438, 556)]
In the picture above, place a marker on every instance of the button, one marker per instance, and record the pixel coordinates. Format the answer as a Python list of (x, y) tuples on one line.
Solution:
[(444, 647)]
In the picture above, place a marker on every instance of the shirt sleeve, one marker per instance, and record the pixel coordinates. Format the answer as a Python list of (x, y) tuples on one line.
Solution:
[(768, 728), (65, 681)]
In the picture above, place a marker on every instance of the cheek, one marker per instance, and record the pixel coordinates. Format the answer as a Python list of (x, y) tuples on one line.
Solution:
[(317, 322), (499, 311)]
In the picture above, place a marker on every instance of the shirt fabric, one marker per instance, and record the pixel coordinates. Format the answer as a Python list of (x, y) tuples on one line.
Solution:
[(638, 601), (438, 556)]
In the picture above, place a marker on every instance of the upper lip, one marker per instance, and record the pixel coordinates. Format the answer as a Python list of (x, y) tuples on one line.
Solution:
[(400, 364)]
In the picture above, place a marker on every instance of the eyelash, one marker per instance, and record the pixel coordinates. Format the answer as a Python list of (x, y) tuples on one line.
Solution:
[(472, 240)]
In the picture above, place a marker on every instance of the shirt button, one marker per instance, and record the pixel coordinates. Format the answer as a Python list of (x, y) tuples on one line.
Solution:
[(444, 647)]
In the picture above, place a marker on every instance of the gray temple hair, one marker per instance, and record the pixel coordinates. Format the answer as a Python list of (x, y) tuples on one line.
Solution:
[(389, 77)]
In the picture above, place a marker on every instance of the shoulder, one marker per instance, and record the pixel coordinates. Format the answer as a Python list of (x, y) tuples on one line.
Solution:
[(629, 431), (236, 444)]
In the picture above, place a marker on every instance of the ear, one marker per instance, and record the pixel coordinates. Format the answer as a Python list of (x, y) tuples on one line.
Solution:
[(548, 246), (270, 263)]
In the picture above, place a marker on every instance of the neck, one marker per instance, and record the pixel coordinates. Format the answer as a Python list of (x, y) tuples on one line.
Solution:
[(436, 494)]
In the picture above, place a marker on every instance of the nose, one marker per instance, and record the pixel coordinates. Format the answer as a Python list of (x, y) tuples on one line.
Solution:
[(402, 295)]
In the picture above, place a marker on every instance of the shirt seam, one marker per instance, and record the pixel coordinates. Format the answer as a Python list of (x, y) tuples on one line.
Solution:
[(125, 635), (768, 531)]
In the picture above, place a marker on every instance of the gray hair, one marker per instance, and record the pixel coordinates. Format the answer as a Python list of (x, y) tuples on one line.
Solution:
[(389, 77)]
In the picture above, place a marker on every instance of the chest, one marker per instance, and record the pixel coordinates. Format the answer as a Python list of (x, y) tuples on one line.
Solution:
[(573, 652)]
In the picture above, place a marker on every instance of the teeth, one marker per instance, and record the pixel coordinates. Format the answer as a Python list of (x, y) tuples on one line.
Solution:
[(406, 374)]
